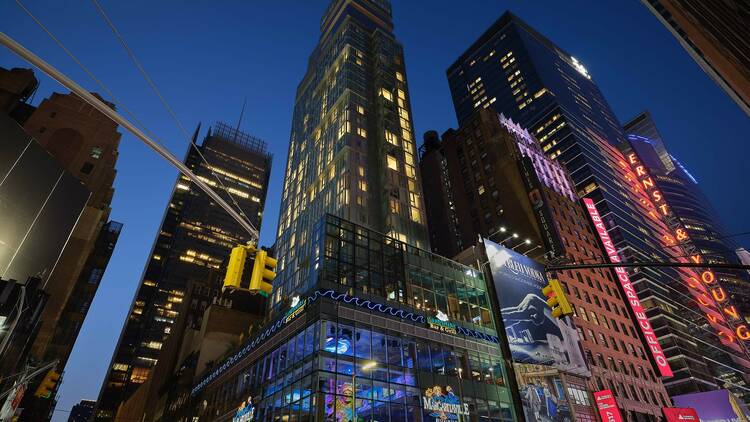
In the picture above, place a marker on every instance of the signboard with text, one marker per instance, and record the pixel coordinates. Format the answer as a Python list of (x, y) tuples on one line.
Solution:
[(680, 414), (607, 406), (652, 342)]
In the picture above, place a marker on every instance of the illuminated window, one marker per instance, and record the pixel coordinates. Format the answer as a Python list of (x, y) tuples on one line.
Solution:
[(362, 132), (386, 94), (392, 163), (120, 367), (360, 109), (140, 375), (96, 153), (183, 186), (399, 76)]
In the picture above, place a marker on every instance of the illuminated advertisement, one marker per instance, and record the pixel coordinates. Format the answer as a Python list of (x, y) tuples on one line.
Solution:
[(550, 235), (542, 393), (680, 414), (713, 406), (605, 402), (534, 335), (443, 404), (652, 341), (711, 297), (246, 411), (440, 322)]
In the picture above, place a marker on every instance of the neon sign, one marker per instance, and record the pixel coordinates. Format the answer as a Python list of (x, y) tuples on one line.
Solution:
[(627, 286), (710, 295), (440, 322)]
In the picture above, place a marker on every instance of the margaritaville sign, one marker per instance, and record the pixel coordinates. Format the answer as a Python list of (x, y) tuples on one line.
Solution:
[(298, 306), (443, 403), (440, 322)]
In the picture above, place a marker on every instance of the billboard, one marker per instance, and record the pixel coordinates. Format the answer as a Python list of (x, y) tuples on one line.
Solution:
[(713, 406), (652, 342), (680, 414), (607, 406), (534, 336)]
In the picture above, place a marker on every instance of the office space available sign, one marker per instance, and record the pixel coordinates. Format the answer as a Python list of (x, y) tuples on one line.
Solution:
[(680, 414), (607, 406), (652, 341), (443, 404)]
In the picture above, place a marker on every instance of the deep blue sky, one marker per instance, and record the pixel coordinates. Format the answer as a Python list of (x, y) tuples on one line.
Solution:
[(206, 59)]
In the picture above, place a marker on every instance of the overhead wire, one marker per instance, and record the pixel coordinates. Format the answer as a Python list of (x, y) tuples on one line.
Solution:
[(165, 104)]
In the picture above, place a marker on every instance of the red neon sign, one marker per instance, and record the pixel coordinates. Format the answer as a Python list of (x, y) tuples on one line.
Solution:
[(605, 402), (627, 286)]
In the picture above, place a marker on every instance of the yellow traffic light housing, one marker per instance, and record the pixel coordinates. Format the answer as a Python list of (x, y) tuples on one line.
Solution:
[(264, 271), (556, 299), (48, 384), (236, 267)]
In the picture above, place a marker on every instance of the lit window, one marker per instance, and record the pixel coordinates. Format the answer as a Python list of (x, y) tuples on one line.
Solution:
[(391, 137), (386, 94), (140, 375), (399, 76), (360, 109), (392, 163), (120, 367), (96, 153)]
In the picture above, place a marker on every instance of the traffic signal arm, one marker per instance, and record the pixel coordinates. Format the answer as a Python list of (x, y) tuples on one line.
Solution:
[(556, 299)]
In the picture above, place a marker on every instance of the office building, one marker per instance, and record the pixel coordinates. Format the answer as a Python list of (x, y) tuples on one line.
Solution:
[(352, 150), (17, 86), (85, 142), (714, 33), (365, 323), (697, 228), (82, 412), (344, 351), (502, 184), (194, 239), (514, 70)]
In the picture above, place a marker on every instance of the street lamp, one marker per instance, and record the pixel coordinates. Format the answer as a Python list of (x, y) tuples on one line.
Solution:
[(525, 242)]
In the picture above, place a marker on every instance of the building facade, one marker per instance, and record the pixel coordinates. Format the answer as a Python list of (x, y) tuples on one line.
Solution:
[(714, 33), (352, 151), (346, 351), (195, 237), (516, 71), (502, 183)]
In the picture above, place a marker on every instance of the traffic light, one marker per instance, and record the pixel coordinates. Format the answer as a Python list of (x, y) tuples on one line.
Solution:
[(264, 271), (48, 384), (556, 299), (236, 267)]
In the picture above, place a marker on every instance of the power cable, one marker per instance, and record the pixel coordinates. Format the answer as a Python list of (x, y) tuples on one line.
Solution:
[(164, 102)]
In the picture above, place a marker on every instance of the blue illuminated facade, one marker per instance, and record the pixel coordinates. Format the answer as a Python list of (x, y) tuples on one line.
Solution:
[(344, 351)]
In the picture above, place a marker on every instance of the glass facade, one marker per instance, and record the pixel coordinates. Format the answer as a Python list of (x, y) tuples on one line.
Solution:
[(352, 149), (366, 344)]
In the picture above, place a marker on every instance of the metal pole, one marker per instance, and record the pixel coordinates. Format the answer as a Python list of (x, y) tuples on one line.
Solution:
[(117, 118)]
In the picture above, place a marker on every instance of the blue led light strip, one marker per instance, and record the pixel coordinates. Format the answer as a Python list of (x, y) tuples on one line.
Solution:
[(338, 297)]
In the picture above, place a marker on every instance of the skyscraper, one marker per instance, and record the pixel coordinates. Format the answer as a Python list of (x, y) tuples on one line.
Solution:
[(714, 33), (195, 236), (352, 150), (375, 327), (502, 184), (515, 70)]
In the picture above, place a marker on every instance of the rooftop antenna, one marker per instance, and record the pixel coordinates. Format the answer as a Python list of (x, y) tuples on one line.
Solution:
[(242, 113)]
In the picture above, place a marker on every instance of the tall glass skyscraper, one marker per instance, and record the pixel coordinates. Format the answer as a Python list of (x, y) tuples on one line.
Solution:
[(516, 71), (352, 149), (195, 236)]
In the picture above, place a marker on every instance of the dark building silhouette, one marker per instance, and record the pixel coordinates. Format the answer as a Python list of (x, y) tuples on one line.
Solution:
[(714, 33), (195, 237), (516, 71), (82, 412)]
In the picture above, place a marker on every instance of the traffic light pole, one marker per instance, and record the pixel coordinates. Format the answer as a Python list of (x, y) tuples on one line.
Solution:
[(117, 118), (648, 264), (26, 377)]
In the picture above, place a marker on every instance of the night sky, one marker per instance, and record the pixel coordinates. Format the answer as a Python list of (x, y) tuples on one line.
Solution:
[(207, 59)]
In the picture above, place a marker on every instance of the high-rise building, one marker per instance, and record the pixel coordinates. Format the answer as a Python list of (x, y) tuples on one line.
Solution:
[(82, 412), (366, 324), (352, 150), (515, 70), (696, 227), (714, 33), (85, 142), (195, 237), (501, 185)]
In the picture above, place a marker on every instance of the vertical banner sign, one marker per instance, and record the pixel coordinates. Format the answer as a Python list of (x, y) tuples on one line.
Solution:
[(607, 406), (680, 414), (652, 341), (550, 235)]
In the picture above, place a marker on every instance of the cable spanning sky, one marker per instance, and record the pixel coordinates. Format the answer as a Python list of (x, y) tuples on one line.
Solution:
[(206, 59)]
